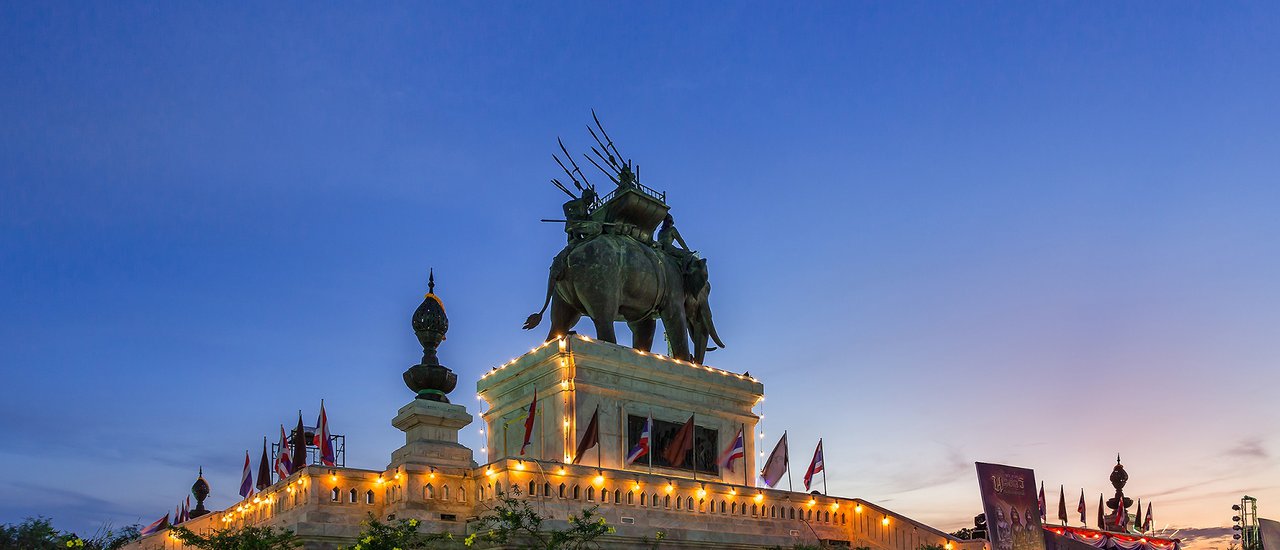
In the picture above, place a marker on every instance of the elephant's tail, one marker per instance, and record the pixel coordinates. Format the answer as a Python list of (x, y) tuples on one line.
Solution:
[(536, 318)]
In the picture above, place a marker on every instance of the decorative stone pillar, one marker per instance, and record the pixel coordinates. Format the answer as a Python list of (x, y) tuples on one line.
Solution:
[(431, 454)]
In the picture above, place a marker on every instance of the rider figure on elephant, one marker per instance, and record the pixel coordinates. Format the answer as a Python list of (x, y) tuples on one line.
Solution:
[(578, 223)]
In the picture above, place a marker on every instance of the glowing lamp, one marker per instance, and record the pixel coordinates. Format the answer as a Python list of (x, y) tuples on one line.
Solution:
[(520, 465), (759, 497), (379, 480), (562, 470), (857, 508), (885, 521), (670, 487)]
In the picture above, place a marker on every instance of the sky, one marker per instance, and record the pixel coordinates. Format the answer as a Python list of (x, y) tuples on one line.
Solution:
[(1029, 233)]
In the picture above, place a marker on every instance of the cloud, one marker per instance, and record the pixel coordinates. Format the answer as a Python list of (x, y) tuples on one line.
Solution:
[(953, 468), (1192, 534), (1250, 448)]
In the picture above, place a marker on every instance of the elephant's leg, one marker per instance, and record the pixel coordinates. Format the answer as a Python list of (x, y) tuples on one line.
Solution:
[(604, 330), (563, 318), (642, 334), (677, 330)]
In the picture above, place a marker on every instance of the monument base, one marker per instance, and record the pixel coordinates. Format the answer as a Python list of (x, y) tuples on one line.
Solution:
[(431, 435)]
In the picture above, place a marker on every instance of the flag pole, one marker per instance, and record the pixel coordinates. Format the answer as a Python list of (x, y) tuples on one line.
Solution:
[(744, 455), (693, 417), (598, 442), (652, 439), (824, 468)]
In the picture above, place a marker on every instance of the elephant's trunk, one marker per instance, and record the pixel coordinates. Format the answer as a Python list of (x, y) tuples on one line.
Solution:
[(711, 325)]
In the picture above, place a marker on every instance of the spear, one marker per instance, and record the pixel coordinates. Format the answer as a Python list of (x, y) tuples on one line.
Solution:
[(575, 165), (610, 159), (605, 134), (561, 187), (612, 164), (615, 180)]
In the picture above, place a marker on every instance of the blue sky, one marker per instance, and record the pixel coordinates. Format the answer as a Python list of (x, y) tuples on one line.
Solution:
[(938, 232)]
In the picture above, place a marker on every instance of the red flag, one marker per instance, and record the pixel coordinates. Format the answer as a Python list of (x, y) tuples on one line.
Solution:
[(1062, 504), (590, 438), (1102, 523), (679, 445), (815, 466), (528, 421)]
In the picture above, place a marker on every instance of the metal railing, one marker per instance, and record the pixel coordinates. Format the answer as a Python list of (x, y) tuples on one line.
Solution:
[(661, 196)]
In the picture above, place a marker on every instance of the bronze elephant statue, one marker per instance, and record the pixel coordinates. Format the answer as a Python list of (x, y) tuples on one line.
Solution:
[(613, 277)]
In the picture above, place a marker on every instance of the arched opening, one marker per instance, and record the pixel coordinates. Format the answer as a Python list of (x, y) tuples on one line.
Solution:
[(444, 492), (352, 496), (576, 493), (368, 497), (335, 495), (429, 492), (533, 489), (617, 496), (562, 488), (591, 493)]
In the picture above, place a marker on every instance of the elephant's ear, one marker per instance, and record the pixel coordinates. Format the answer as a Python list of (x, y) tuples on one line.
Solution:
[(695, 278)]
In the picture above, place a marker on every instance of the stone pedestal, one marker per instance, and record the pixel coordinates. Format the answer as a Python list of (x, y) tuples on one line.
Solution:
[(576, 376), (431, 435), (430, 477)]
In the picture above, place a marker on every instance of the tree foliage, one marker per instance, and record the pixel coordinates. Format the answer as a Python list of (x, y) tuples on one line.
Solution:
[(243, 538), (38, 534), (514, 521), (400, 535)]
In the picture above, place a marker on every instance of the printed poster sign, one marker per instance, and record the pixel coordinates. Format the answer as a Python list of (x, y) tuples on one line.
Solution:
[(1012, 507)]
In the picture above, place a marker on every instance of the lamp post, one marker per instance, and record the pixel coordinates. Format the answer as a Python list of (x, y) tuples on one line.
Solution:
[(1245, 523)]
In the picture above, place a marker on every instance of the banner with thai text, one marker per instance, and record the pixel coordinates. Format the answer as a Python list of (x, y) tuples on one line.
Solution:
[(1012, 508)]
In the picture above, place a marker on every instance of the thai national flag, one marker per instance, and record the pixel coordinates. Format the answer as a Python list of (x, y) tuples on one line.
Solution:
[(642, 446), (155, 527), (736, 450), (322, 439), (815, 466), (284, 466), (246, 479)]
